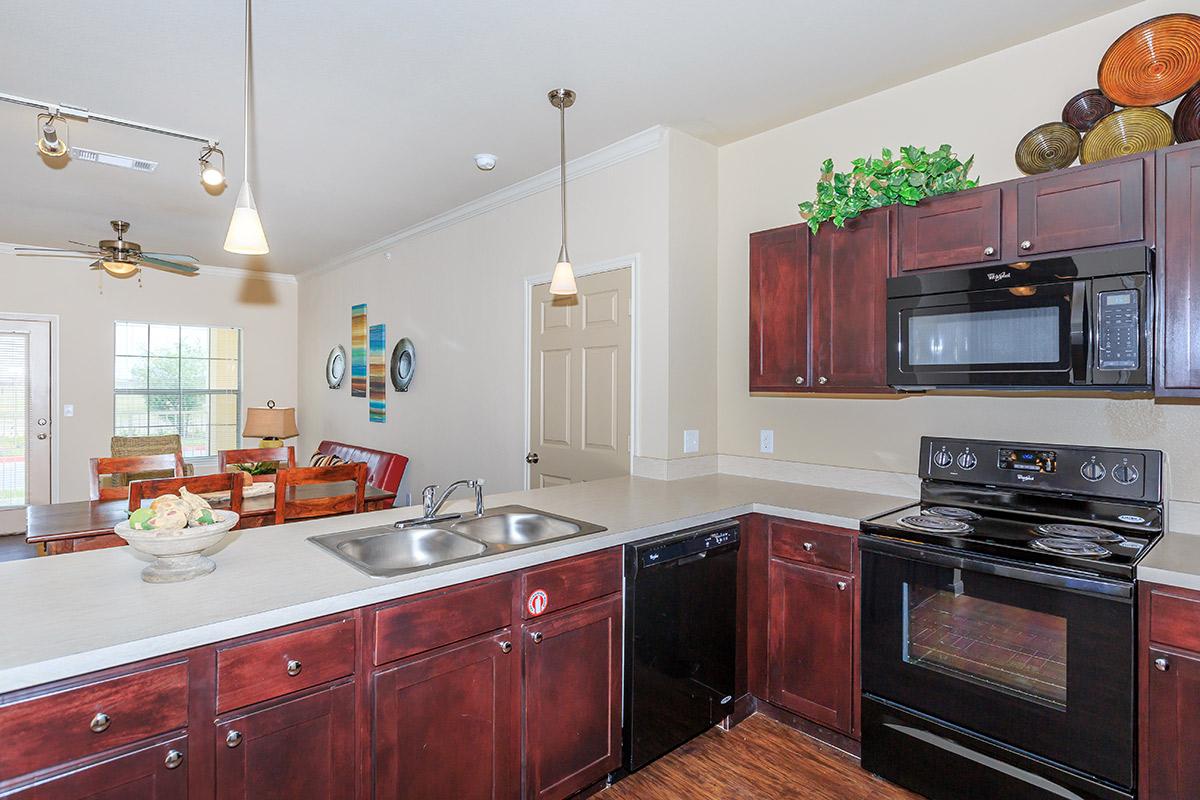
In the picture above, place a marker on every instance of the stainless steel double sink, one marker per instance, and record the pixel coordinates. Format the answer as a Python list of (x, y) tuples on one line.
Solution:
[(387, 551)]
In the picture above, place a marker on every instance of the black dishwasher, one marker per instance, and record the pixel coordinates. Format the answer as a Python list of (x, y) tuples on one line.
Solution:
[(680, 638)]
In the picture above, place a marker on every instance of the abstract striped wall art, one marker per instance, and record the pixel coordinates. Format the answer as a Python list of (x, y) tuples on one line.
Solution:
[(378, 374), (358, 350)]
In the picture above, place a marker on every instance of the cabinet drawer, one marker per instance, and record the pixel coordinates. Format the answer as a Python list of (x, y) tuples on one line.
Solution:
[(68, 724), (283, 663), (416, 625), (812, 544), (571, 582), (1175, 617)]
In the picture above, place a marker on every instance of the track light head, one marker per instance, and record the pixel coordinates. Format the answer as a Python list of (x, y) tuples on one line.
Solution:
[(210, 173), (49, 143)]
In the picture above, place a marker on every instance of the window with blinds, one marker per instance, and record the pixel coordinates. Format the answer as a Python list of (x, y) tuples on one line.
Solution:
[(14, 418), (183, 379)]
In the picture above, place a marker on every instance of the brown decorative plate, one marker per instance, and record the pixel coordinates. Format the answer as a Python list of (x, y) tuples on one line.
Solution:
[(1125, 132), (1154, 62), (1187, 117), (1047, 147), (1083, 110)]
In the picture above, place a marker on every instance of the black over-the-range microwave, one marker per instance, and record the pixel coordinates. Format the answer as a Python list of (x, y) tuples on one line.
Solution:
[(1079, 322)]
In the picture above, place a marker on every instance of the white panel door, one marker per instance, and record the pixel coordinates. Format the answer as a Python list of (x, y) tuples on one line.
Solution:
[(25, 434), (579, 415)]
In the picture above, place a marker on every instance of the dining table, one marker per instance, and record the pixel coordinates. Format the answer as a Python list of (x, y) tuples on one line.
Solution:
[(88, 524)]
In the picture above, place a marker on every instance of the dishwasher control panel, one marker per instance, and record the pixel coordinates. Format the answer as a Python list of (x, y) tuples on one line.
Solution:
[(684, 547)]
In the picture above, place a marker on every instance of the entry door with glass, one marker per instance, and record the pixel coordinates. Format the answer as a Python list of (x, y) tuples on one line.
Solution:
[(25, 433)]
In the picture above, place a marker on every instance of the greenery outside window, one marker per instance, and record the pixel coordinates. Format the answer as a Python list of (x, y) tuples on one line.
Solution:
[(183, 379)]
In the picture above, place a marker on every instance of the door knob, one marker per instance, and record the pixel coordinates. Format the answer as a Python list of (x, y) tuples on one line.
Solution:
[(531, 458), (1161, 664), (989, 251), (1025, 245)]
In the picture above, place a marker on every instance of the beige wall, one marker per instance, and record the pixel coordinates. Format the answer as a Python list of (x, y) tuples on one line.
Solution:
[(266, 312), (982, 107)]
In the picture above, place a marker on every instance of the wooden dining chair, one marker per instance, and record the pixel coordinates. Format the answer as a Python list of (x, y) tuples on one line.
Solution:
[(254, 455), (322, 502), (167, 462), (197, 484)]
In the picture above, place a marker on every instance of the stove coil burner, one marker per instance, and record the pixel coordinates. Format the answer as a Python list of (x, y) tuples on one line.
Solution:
[(1070, 547), (1083, 533), (950, 512), (930, 523)]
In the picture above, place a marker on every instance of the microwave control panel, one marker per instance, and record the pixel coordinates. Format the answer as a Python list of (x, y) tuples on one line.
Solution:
[(1119, 330)]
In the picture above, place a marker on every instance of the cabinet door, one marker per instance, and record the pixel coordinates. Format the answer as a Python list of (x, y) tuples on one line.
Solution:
[(158, 772), (810, 643), (951, 230), (1179, 273), (1173, 726), (446, 724), (572, 698), (779, 310), (849, 302), (295, 748), (1082, 207)]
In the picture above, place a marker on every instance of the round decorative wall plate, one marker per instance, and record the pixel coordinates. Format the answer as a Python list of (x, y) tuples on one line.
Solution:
[(335, 367), (404, 363), (1125, 132), (1187, 117), (1047, 147), (1086, 108), (1154, 62)]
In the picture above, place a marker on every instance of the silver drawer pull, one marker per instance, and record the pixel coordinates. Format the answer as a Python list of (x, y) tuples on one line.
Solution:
[(808, 547), (506, 647), (174, 759), (100, 722), (799, 380), (1025, 245), (841, 586), (536, 636), (294, 667), (233, 739), (989, 251), (1161, 664)]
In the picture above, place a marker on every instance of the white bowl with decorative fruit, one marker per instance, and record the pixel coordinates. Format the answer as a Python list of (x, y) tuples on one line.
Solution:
[(176, 530)]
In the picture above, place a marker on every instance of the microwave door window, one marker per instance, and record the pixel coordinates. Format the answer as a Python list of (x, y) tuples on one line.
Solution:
[(1010, 337)]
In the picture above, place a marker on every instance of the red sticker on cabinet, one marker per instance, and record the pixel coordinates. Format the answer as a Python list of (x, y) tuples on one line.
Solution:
[(538, 602)]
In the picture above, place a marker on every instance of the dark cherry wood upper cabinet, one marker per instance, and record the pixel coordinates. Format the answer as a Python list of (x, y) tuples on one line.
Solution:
[(810, 641), (779, 310), (951, 230), (572, 665), (1100, 204), (303, 747), (849, 268), (446, 724), (1178, 270), (157, 772)]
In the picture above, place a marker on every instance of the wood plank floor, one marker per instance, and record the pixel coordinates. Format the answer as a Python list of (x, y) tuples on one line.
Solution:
[(759, 759)]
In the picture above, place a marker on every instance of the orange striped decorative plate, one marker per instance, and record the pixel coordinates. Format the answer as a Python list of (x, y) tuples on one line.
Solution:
[(1154, 62)]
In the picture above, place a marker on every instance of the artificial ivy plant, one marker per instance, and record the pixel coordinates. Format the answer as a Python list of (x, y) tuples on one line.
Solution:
[(884, 181)]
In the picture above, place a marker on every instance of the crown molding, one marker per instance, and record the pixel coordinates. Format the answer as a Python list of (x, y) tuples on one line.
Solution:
[(627, 148), (8, 248)]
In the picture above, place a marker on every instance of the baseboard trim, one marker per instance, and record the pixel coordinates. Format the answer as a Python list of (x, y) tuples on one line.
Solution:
[(811, 729)]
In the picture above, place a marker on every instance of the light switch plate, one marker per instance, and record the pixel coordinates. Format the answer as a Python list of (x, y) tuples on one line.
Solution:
[(766, 441), (691, 441), (68, 410)]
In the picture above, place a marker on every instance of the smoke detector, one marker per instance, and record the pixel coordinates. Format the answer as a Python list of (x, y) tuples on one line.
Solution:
[(485, 161), (113, 160)]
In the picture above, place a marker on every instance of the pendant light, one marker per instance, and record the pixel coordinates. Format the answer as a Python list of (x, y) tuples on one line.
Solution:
[(246, 235), (563, 281)]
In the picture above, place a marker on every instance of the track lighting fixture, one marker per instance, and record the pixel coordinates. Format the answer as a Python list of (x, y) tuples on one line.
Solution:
[(210, 173), (49, 144)]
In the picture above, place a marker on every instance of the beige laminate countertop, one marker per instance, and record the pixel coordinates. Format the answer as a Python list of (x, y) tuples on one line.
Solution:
[(1174, 560), (70, 614)]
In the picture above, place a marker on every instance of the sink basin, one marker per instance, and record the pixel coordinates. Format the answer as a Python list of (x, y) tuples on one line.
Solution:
[(388, 551), (515, 528)]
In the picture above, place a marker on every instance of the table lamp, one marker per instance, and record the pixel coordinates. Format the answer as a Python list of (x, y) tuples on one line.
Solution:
[(272, 425)]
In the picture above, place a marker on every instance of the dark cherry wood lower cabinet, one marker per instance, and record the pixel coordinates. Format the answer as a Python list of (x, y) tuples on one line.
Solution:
[(156, 772), (572, 709), (1169, 666), (446, 724), (300, 747), (810, 643)]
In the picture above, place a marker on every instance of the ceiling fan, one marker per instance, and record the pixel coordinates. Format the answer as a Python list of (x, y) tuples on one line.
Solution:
[(119, 257)]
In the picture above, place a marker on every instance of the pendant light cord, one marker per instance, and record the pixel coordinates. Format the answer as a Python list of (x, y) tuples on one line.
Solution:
[(562, 164), (246, 100)]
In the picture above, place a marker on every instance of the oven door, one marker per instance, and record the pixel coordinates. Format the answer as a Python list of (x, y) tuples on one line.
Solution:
[(1020, 336), (1042, 662)]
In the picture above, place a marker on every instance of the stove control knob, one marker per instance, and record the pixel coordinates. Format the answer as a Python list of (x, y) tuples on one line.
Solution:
[(967, 461), (1093, 471), (942, 458), (1125, 473)]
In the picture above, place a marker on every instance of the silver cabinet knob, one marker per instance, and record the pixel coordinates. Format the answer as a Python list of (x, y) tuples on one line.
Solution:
[(174, 759), (808, 546), (100, 722), (841, 586), (536, 636), (799, 380), (822, 380), (989, 251), (233, 739), (1025, 245), (1161, 664), (294, 667), (506, 647)]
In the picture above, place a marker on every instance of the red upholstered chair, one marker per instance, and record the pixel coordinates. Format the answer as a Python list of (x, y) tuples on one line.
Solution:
[(384, 470)]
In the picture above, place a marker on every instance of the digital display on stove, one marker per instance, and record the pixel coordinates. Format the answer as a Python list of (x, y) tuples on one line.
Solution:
[(1027, 460)]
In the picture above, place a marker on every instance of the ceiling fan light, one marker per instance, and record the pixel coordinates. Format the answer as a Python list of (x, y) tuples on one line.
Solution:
[(118, 269), (246, 236)]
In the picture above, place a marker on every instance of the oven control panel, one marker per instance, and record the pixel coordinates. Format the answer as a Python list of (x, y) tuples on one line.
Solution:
[(1109, 472)]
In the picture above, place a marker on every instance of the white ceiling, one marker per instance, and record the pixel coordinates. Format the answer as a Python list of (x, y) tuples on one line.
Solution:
[(368, 113)]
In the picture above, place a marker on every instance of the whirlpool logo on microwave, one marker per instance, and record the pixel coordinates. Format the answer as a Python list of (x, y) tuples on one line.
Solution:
[(999, 276)]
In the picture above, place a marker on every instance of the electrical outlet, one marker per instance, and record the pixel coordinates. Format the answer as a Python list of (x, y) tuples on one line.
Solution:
[(766, 441), (691, 441)]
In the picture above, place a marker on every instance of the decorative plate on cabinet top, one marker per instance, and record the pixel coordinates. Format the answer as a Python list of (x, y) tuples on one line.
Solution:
[(1047, 147), (1187, 117), (1084, 109), (404, 363), (1125, 132), (335, 367), (1154, 62)]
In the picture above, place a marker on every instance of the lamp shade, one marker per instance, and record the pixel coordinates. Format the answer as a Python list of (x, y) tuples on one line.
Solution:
[(270, 423), (246, 234)]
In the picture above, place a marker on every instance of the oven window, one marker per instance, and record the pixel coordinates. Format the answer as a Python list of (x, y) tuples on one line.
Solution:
[(1012, 649), (1026, 335)]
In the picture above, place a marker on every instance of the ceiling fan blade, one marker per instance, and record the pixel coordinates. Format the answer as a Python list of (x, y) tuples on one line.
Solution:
[(172, 257), (181, 269), (53, 251), (85, 245), (97, 265)]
